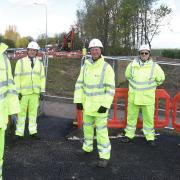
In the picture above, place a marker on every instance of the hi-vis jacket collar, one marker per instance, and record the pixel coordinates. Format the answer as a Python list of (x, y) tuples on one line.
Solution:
[(90, 61), (137, 62), (3, 48)]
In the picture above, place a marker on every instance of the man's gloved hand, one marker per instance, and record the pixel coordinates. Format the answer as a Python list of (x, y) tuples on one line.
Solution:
[(13, 118), (20, 96), (102, 109), (41, 97), (79, 106)]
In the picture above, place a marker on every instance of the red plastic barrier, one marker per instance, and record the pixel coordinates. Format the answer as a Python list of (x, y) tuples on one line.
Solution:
[(115, 122), (161, 94), (175, 124), (122, 93), (79, 118)]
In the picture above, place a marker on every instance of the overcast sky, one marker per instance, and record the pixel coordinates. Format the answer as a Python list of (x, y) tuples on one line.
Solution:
[(30, 19)]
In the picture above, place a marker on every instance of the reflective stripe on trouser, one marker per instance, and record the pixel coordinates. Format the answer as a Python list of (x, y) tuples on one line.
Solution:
[(103, 143), (30, 103), (2, 137), (148, 120)]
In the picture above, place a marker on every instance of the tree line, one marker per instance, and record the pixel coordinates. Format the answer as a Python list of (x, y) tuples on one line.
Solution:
[(122, 25)]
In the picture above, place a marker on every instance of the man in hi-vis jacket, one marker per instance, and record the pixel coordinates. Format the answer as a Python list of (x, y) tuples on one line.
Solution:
[(30, 82), (144, 76), (94, 92), (9, 103)]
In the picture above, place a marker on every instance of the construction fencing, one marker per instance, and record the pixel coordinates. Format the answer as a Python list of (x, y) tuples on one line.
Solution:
[(118, 116), (63, 73)]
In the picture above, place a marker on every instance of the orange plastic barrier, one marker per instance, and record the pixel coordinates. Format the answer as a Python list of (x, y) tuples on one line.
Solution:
[(176, 100), (79, 118), (115, 122), (161, 94), (120, 122)]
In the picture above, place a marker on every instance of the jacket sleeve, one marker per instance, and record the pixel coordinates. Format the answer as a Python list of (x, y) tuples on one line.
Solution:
[(78, 92), (128, 71), (109, 87), (17, 76), (12, 98), (159, 75), (43, 78)]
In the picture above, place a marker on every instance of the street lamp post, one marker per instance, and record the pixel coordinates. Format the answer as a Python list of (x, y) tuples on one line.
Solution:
[(45, 6), (46, 55)]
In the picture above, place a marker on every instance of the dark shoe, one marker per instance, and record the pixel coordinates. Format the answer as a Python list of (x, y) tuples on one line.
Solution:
[(83, 153), (151, 143), (126, 139), (17, 138), (102, 163), (35, 136)]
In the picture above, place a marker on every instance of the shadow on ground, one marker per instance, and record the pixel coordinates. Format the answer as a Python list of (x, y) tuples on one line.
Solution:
[(55, 156)]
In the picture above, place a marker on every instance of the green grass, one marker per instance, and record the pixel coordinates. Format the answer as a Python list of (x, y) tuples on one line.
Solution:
[(62, 75)]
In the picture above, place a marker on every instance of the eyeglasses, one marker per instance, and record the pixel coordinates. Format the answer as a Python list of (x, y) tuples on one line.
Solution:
[(142, 53)]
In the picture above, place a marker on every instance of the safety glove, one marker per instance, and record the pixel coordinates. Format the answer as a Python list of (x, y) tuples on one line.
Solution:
[(102, 109), (13, 118), (20, 96), (41, 97), (79, 106)]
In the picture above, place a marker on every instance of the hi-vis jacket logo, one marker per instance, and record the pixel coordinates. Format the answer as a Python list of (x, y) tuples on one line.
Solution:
[(97, 75)]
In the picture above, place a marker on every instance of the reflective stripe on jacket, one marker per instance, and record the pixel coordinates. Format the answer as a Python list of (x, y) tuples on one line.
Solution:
[(143, 80), (9, 103), (29, 80), (95, 86)]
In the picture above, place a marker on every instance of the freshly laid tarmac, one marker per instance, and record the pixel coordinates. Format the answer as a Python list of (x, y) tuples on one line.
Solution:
[(56, 155)]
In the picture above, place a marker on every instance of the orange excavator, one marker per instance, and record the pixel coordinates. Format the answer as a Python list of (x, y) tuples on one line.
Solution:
[(68, 41)]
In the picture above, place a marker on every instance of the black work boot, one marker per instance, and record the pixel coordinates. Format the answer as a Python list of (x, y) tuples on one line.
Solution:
[(126, 139), (102, 163), (17, 138), (83, 153), (152, 143), (35, 136)]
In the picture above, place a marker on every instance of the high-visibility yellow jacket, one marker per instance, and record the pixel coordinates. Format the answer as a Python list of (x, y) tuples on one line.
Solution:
[(9, 102), (95, 86), (84, 51), (143, 80), (29, 80)]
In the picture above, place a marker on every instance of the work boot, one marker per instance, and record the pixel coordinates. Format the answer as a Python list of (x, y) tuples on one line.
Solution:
[(83, 153), (17, 138), (126, 139), (102, 163), (35, 136), (151, 143)]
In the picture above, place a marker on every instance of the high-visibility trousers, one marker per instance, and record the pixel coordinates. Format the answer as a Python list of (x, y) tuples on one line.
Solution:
[(28, 103), (2, 134), (148, 120), (103, 143)]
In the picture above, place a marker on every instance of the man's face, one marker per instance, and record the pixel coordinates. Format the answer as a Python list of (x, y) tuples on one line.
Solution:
[(144, 55), (32, 53), (95, 52)]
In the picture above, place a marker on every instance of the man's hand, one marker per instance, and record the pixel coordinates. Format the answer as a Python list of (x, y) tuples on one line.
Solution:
[(79, 106), (102, 109), (41, 97)]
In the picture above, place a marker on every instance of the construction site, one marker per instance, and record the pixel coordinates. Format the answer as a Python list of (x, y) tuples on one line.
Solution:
[(56, 154)]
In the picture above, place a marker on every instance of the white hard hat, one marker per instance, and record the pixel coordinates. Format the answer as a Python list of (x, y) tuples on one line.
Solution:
[(95, 43), (33, 45), (144, 47)]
